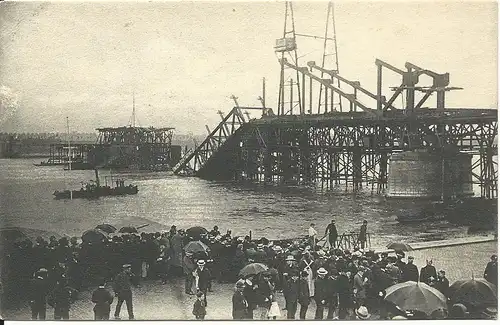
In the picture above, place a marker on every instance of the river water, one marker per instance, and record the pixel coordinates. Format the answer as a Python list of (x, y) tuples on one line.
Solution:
[(26, 200)]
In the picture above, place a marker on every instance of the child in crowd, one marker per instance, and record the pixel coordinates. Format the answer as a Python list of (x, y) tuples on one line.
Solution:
[(199, 308)]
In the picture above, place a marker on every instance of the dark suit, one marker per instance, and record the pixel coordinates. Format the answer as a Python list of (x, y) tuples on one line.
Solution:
[(199, 310), (491, 272), (38, 289), (410, 272), (426, 273), (291, 293), (122, 288), (304, 298), (103, 300), (442, 284), (240, 306), (323, 291), (331, 229), (204, 277)]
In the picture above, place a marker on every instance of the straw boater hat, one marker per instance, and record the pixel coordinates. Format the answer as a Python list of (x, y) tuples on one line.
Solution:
[(322, 271), (126, 266), (260, 246), (362, 313), (290, 258), (240, 284), (201, 262)]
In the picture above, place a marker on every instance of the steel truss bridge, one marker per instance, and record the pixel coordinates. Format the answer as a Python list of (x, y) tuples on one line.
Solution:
[(310, 144)]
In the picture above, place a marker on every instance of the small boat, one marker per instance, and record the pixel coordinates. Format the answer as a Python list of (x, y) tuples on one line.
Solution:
[(94, 190), (78, 165), (53, 162)]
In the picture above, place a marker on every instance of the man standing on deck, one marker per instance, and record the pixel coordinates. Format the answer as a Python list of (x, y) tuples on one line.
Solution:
[(312, 236), (331, 230), (362, 234), (122, 288)]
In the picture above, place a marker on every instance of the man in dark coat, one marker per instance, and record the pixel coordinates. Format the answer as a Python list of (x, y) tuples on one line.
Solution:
[(322, 292), (410, 271), (123, 290), (291, 292), (362, 234), (188, 266), (428, 273), (250, 296), (199, 307), (61, 299), (491, 271), (304, 294), (331, 230), (102, 299), (240, 304), (442, 283), (345, 291), (39, 289), (202, 279)]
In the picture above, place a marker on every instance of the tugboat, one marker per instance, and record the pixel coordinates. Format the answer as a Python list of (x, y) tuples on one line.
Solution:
[(95, 190)]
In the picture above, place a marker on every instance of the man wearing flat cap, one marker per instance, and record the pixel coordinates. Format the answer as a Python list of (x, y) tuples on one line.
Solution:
[(123, 291)]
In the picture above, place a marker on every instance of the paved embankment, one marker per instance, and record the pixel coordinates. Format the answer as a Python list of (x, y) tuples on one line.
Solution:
[(153, 301)]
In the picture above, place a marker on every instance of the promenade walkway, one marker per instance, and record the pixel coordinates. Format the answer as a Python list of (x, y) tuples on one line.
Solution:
[(153, 301)]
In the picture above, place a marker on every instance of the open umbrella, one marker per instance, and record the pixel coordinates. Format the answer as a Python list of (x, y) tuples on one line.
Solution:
[(196, 247), (94, 236), (419, 296), (400, 246), (106, 228), (473, 292), (128, 230), (253, 269), (196, 232)]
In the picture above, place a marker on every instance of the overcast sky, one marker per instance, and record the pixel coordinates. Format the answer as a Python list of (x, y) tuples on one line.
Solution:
[(184, 60)]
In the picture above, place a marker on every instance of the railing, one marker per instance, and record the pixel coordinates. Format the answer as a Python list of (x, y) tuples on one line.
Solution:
[(350, 240)]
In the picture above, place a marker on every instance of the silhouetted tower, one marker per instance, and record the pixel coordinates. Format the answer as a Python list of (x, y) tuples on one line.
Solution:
[(328, 102), (287, 46)]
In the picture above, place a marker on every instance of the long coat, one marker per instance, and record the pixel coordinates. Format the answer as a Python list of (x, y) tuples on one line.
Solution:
[(426, 273), (240, 306), (102, 299), (177, 245), (203, 278), (410, 272), (304, 293)]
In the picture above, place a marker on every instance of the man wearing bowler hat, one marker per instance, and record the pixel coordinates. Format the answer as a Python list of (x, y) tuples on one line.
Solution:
[(123, 291)]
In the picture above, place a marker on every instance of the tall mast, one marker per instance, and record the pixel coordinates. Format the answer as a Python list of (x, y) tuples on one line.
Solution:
[(69, 142), (133, 108)]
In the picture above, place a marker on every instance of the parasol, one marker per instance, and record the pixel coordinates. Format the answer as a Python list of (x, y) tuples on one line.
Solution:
[(196, 247), (253, 269), (196, 232), (400, 246), (128, 230), (473, 292), (94, 236), (418, 296), (106, 228)]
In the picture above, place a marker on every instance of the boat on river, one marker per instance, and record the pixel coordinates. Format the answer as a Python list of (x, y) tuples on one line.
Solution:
[(93, 190)]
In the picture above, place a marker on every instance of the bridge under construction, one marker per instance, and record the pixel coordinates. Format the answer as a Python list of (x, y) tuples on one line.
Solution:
[(330, 132)]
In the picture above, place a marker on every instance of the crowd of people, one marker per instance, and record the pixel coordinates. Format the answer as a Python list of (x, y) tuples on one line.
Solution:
[(344, 284)]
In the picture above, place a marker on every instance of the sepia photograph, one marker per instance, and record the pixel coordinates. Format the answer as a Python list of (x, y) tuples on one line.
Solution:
[(248, 160)]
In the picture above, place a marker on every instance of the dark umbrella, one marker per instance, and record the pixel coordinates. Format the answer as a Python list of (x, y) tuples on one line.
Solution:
[(196, 247), (196, 232), (94, 236), (106, 228), (419, 296), (473, 292), (400, 246), (129, 230), (253, 269)]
